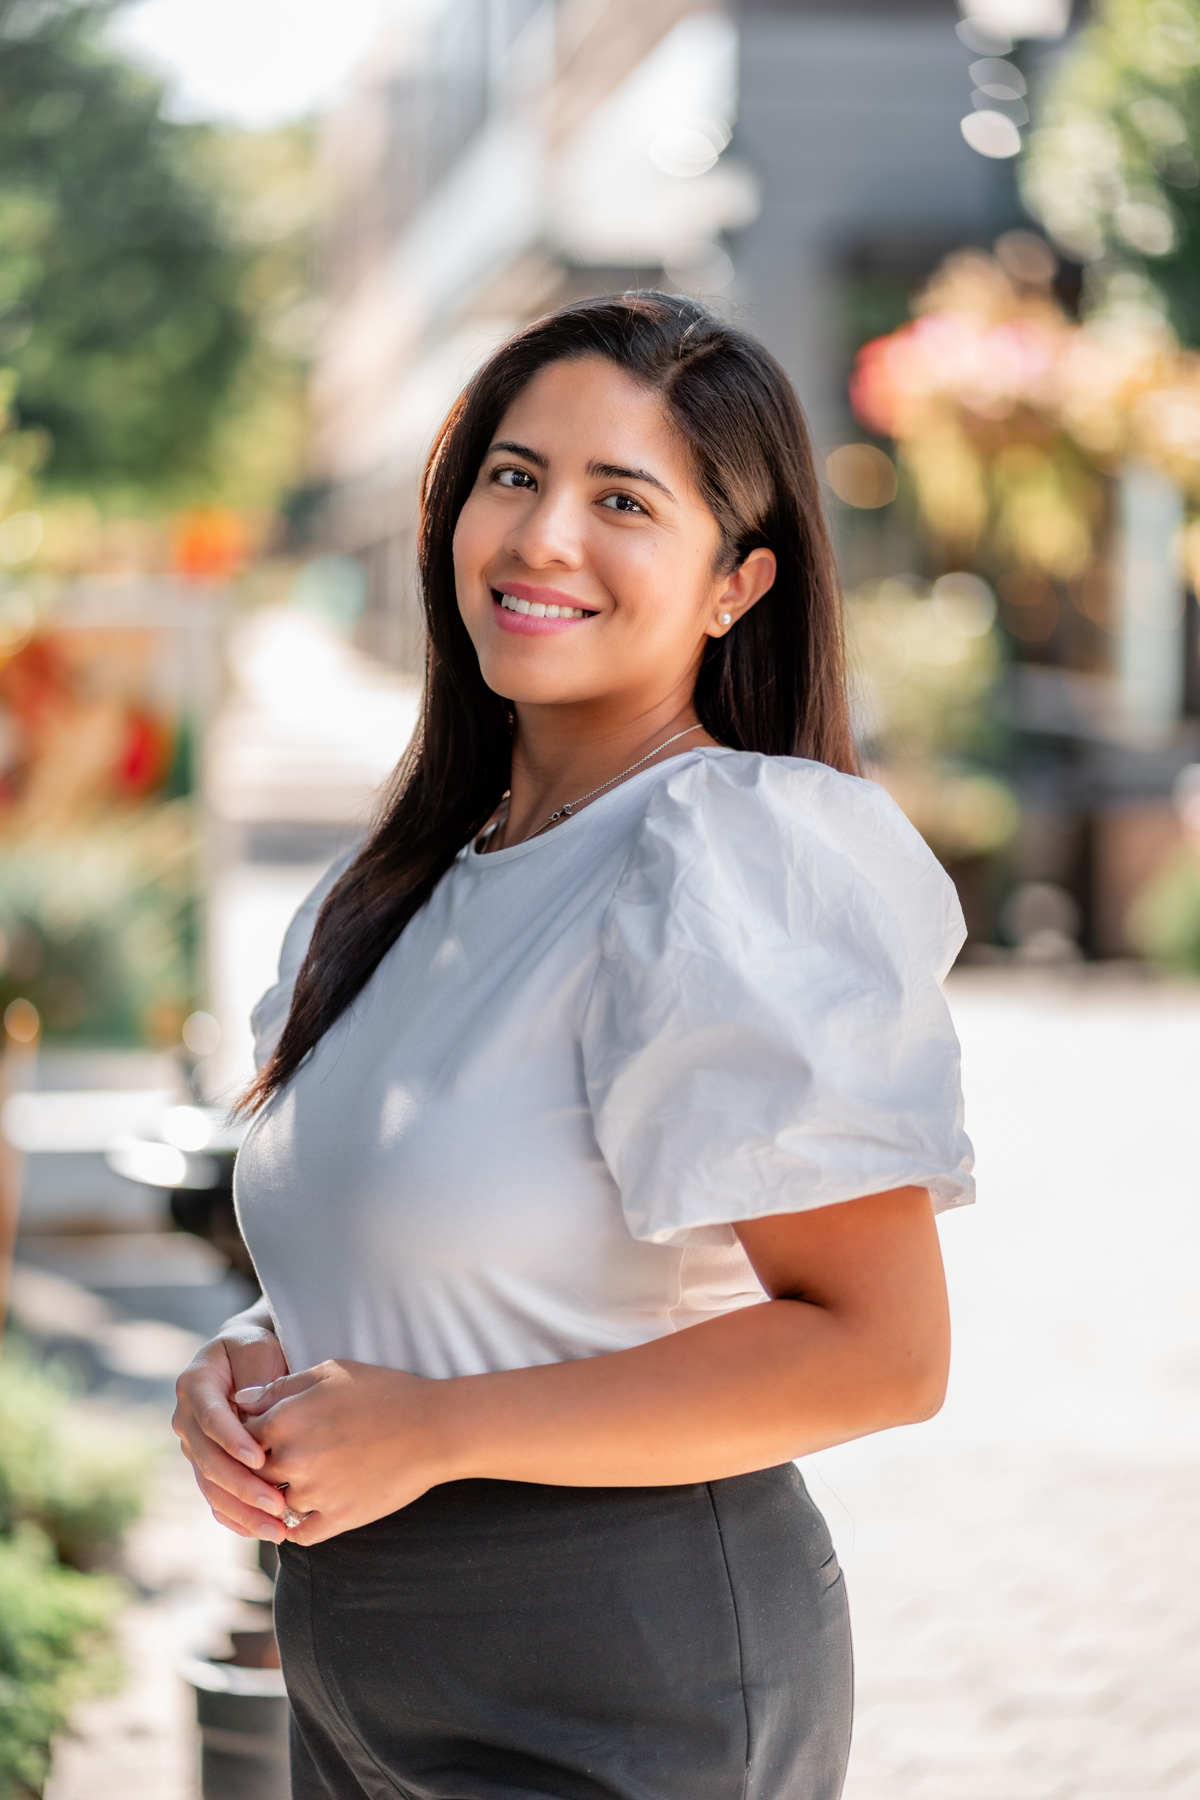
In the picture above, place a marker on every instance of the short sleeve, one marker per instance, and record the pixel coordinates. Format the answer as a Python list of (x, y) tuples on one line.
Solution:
[(270, 1015), (766, 1032)]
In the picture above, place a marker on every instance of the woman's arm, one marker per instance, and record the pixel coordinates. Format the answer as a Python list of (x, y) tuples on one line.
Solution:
[(214, 1440), (855, 1339)]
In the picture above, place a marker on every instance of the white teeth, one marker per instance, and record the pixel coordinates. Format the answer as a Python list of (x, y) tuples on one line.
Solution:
[(510, 603)]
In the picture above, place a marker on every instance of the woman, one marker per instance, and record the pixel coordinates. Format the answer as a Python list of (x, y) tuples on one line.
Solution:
[(607, 1097)]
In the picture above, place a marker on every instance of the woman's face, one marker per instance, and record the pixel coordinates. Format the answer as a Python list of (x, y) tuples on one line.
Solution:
[(585, 560)]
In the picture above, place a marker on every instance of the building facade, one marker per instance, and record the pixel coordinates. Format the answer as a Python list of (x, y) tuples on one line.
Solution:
[(799, 162)]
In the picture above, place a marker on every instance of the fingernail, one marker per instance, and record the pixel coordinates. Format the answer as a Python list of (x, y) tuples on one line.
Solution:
[(250, 1459), (245, 1396)]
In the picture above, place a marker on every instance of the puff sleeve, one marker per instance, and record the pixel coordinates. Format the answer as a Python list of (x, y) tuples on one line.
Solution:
[(766, 1032), (270, 1015)]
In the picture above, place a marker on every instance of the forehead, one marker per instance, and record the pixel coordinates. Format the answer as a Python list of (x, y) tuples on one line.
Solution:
[(588, 410)]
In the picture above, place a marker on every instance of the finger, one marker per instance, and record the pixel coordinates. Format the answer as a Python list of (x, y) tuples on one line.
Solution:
[(312, 1530), (256, 1363), (246, 1519), (289, 1419), (299, 1499), (278, 1436), (211, 1462), (218, 1420), (254, 1401), (205, 1398), (229, 1524), (212, 1465), (258, 1531), (265, 1429)]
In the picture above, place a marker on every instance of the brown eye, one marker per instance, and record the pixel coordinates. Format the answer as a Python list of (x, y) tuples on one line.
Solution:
[(513, 478), (622, 503)]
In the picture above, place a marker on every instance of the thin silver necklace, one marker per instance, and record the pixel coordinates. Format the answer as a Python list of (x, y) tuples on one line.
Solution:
[(565, 811)]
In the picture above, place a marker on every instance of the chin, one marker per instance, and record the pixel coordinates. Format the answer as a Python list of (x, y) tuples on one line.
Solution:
[(529, 687)]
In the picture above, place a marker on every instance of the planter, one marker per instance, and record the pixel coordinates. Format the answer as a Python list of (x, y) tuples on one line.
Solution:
[(243, 1719)]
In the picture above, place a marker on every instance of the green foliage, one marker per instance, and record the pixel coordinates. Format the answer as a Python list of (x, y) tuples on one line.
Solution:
[(79, 1477), (924, 682), (99, 927), (924, 666), (1113, 165), (55, 1627), (70, 1482), (1164, 922), (129, 303), (265, 185)]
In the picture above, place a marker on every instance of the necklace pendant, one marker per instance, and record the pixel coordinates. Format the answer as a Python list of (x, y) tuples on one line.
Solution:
[(567, 811)]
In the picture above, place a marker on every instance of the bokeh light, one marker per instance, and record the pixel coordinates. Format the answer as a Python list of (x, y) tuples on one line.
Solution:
[(861, 475), (22, 1022), (991, 133)]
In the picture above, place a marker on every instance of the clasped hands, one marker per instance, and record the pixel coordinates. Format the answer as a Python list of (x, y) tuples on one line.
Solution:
[(346, 1441)]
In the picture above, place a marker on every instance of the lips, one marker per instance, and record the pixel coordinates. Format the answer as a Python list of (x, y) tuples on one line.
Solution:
[(536, 612)]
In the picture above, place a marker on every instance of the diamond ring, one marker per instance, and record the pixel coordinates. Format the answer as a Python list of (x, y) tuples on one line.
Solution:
[(292, 1518)]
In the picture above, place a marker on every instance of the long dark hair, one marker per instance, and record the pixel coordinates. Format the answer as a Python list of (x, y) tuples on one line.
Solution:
[(774, 684)]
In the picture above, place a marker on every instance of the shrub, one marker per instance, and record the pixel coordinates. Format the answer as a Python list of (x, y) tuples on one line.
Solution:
[(55, 1648), (78, 1476), (100, 926), (71, 1480)]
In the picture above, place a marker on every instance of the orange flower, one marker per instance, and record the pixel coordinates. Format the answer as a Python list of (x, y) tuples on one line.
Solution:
[(210, 544)]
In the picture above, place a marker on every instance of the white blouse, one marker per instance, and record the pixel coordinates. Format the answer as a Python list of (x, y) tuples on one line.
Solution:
[(712, 995)]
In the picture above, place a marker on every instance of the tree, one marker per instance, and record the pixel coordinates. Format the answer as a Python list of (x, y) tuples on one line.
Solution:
[(1113, 165), (122, 320)]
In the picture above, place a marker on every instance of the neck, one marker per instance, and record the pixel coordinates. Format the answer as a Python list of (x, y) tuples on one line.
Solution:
[(562, 753)]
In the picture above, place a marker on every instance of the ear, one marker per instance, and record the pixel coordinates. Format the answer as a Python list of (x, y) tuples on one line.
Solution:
[(739, 592)]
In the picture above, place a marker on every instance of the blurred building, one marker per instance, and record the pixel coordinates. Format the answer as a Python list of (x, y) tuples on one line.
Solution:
[(801, 162), (850, 115), (804, 164)]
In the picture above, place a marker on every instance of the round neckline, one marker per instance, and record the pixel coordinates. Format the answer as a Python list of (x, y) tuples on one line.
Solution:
[(479, 858)]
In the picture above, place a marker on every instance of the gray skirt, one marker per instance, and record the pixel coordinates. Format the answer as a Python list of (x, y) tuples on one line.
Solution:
[(504, 1641)]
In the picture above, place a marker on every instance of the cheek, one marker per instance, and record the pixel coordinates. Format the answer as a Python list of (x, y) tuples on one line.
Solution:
[(664, 589), (473, 543)]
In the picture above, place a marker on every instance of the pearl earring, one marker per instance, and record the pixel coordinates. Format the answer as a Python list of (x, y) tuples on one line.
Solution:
[(726, 618)]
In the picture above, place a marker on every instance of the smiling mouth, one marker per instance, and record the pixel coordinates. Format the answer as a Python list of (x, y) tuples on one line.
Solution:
[(535, 610)]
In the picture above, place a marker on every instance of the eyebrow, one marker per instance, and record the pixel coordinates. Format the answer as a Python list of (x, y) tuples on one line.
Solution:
[(609, 471), (521, 450), (613, 472)]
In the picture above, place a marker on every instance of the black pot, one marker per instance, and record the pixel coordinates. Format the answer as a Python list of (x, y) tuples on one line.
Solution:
[(243, 1720)]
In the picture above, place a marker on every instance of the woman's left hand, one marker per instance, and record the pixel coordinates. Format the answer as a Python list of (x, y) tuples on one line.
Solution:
[(352, 1443)]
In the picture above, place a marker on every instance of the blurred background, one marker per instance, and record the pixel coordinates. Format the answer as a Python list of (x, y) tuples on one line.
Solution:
[(249, 253)]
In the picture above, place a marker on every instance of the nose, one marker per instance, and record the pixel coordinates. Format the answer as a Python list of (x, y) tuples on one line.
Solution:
[(549, 534)]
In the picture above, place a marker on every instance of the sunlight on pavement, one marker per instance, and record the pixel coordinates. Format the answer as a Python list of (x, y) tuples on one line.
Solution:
[(1023, 1570)]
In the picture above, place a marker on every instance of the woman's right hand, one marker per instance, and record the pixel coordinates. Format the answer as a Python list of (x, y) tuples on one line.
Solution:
[(221, 1451)]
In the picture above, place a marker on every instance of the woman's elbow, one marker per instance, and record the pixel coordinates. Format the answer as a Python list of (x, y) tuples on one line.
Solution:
[(927, 1398), (918, 1380)]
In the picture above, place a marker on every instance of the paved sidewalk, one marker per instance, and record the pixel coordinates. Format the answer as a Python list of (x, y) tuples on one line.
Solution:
[(1024, 1572), (1026, 1631)]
